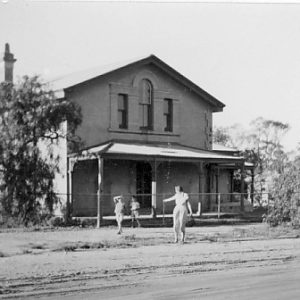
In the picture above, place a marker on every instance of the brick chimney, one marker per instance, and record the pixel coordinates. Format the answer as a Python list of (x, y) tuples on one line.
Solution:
[(9, 61)]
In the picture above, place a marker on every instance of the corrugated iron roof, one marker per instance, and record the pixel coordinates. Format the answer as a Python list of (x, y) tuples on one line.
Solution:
[(218, 147), (167, 151)]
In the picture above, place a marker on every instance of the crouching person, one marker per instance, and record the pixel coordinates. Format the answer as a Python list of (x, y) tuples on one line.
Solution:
[(119, 211)]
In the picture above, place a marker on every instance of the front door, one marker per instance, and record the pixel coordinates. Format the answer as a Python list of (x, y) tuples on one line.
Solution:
[(143, 184)]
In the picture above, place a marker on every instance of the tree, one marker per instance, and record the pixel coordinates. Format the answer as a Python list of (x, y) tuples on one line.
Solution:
[(265, 137), (231, 136), (31, 116), (269, 158), (275, 170), (286, 195), (221, 136), (260, 144)]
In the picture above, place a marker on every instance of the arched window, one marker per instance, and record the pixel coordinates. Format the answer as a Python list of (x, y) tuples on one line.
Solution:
[(146, 104)]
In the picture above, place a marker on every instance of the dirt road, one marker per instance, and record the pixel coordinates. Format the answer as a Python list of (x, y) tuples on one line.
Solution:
[(259, 282), (224, 265)]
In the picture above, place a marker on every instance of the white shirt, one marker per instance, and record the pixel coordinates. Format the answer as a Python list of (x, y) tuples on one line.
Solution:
[(135, 205), (180, 198)]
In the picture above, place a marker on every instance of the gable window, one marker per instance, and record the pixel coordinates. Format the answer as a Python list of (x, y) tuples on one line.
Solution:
[(146, 104), (168, 115), (123, 111)]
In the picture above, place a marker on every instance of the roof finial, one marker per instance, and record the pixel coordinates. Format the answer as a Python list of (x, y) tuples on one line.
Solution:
[(7, 55), (7, 48)]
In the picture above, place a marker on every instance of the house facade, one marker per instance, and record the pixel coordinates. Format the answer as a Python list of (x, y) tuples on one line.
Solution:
[(145, 128)]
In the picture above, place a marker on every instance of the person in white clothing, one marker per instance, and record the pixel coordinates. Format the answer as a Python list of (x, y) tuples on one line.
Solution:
[(180, 212), (135, 206), (119, 211)]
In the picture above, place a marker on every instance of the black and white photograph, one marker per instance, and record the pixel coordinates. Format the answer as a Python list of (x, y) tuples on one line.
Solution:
[(149, 149)]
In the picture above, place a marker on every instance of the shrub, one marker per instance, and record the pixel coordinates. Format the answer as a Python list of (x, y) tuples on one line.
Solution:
[(10, 222), (75, 222), (56, 222), (88, 223), (285, 194)]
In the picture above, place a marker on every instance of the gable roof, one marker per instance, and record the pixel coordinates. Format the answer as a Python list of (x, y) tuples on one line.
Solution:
[(61, 84)]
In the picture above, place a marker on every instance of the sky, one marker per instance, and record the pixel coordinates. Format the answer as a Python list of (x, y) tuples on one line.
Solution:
[(247, 55)]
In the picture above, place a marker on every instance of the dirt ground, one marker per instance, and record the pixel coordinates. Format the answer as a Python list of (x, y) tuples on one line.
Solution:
[(99, 264)]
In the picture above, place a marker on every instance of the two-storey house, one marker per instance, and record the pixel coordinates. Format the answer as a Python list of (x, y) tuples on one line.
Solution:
[(146, 128)]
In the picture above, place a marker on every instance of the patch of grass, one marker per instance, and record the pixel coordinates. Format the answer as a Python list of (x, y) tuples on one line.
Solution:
[(131, 237), (66, 247), (85, 246), (210, 238), (36, 228), (69, 247), (2, 254), (38, 247), (242, 233), (98, 245), (126, 245), (93, 245)]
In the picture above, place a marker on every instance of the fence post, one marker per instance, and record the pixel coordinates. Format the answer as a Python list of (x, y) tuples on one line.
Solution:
[(242, 185), (153, 189), (219, 205), (70, 168), (100, 179), (199, 207), (163, 203), (268, 204)]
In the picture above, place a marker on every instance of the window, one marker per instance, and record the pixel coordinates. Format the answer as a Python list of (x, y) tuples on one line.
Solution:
[(146, 104), (123, 111), (168, 115)]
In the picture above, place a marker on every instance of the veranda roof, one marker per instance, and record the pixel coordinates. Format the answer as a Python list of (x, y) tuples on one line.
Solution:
[(218, 147), (167, 151)]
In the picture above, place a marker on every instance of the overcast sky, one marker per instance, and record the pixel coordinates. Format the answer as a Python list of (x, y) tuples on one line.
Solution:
[(246, 55)]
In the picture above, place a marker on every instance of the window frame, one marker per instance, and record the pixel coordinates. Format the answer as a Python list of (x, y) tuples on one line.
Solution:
[(168, 116), (146, 104), (123, 111)]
